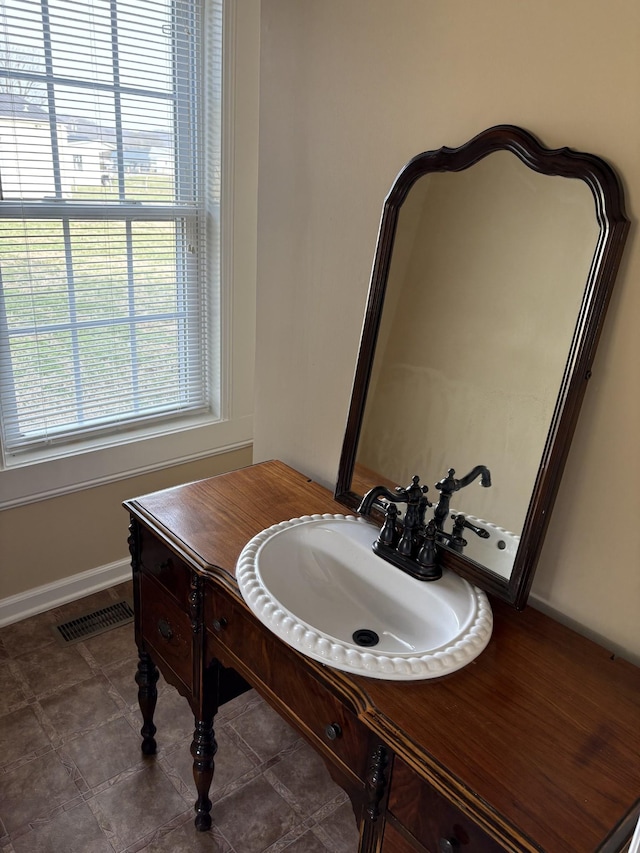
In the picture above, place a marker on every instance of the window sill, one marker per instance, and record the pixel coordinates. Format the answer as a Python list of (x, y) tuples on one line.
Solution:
[(50, 478)]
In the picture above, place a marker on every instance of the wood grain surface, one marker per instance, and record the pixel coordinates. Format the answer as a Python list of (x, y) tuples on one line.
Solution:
[(538, 738)]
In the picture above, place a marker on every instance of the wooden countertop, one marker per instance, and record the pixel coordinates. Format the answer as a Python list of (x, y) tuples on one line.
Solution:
[(543, 723)]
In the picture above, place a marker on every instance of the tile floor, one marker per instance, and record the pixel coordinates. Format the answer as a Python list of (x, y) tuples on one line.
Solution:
[(73, 778)]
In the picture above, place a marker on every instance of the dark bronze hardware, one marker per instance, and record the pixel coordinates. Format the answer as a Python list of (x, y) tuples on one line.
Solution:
[(165, 629), (449, 484), (479, 531), (219, 624), (448, 845), (409, 545), (377, 779), (195, 602), (333, 731)]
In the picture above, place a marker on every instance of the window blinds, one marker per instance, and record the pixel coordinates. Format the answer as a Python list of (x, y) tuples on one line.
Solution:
[(110, 185)]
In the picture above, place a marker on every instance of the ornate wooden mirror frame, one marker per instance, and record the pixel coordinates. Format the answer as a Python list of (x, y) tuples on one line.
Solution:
[(613, 227)]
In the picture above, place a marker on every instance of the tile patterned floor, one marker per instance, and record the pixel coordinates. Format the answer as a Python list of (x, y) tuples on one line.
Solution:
[(73, 778)]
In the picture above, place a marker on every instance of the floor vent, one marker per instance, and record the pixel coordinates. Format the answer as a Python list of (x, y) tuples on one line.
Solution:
[(95, 622)]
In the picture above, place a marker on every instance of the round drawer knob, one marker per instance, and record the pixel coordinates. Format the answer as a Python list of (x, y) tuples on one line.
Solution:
[(448, 845), (219, 624), (333, 731)]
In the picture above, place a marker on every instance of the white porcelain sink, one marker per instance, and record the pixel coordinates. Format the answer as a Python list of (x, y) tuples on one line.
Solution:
[(314, 581)]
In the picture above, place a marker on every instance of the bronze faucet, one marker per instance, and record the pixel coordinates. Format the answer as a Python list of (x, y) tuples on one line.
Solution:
[(449, 484), (408, 544)]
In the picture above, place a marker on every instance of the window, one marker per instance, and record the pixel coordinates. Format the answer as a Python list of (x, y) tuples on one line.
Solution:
[(109, 218)]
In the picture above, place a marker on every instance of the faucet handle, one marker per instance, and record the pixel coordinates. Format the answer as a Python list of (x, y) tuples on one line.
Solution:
[(412, 494), (479, 531), (388, 532), (448, 485), (427, 559), (457, 541)]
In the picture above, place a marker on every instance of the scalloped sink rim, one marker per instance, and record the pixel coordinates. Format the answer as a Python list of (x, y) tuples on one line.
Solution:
[(486, 551), (459, 650)]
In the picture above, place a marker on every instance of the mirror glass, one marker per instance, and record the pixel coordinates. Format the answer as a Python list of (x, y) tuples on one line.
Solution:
[(481, 310), (502, 244)]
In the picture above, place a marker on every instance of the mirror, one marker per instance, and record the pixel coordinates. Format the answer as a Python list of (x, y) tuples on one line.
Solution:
[(493, 270)]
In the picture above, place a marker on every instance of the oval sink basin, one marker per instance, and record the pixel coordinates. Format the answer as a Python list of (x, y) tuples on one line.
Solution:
[(315, 582)]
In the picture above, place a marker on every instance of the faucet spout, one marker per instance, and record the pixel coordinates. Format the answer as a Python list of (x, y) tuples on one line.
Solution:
[(412, 496), (479, 471), (368, 501), (449, 484)]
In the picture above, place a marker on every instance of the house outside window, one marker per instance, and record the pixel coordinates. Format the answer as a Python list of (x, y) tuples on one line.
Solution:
[(109, 220)]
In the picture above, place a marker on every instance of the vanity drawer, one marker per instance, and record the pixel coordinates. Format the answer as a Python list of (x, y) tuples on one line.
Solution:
[(394, 842), (167, 631), (431, 819), (310, 705), (165, 567)]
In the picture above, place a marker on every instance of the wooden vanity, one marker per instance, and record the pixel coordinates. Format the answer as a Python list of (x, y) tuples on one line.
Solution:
[(534, 746)]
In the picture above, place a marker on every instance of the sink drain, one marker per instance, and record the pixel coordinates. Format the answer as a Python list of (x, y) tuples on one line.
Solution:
[(365, 637)]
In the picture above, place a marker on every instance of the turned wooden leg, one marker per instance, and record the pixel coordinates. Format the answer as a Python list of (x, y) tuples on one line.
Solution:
[(203, 750), (147, 678)]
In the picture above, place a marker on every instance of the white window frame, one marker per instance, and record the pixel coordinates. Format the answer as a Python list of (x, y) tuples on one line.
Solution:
[(113, 458)]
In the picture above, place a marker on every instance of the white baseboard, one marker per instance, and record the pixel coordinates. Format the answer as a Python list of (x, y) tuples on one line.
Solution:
[(50, 595)]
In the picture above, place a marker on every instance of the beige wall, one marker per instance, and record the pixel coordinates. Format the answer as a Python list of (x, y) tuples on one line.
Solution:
[(53, 539), (349, 92)]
